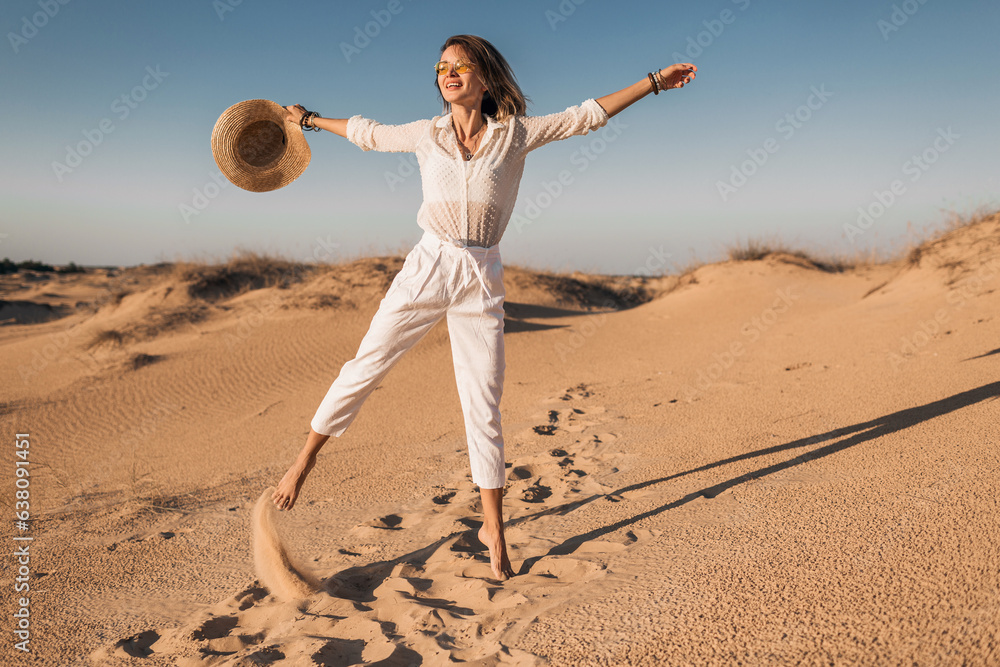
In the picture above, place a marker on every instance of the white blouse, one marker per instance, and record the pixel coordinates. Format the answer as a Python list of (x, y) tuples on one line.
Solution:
[(470, 202)]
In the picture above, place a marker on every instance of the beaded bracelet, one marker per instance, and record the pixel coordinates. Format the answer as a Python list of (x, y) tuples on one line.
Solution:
[(659, 80), (656, 88)]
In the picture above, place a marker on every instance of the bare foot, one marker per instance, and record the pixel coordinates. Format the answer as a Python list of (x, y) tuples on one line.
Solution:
[(499, 562), (290, 485)]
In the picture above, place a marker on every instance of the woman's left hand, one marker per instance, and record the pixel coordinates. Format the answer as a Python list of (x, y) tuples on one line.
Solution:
[(677, 75), (295, 113)]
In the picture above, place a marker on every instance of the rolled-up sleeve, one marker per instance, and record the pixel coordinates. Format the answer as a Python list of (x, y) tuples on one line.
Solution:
[(580, 119), (370, 135)]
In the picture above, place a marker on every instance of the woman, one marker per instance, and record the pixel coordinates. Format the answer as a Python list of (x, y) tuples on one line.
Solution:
[(471, 160)]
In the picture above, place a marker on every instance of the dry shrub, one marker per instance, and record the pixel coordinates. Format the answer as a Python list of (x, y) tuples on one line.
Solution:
[(955, 225), (755, 249), (246, 271), (583, 290), (108, 337), (138, 360), (159, 322)]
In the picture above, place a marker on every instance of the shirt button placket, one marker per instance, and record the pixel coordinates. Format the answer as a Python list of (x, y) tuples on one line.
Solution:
[(467, 168)]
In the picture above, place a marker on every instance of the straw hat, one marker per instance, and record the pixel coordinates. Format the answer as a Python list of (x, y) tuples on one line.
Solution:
[(256, 148)]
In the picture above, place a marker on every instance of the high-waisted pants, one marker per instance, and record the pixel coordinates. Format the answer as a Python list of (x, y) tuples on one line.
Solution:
[(439, 278)]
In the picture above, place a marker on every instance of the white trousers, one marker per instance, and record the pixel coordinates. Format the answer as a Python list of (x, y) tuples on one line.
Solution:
[(438, 278)]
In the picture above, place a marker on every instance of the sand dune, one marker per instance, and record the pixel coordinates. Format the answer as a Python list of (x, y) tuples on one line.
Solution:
[(762, 461)]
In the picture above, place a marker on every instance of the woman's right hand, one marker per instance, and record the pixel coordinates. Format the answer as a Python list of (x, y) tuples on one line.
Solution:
[(290, 485)]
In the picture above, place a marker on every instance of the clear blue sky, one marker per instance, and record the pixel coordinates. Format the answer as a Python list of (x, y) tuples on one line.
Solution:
[(897, 80)]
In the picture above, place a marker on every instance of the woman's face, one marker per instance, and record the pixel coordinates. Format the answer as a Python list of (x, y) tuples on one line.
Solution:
[(463, 89)]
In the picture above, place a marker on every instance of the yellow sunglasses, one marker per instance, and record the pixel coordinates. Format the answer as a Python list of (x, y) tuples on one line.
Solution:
[(461, 67)]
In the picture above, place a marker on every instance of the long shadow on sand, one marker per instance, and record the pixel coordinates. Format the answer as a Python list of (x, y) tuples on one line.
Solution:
[(516, 314), (863, 432), (984, 355), (359, 583)]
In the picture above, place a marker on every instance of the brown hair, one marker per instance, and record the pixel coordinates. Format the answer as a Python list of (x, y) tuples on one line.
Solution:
[(503, 97)]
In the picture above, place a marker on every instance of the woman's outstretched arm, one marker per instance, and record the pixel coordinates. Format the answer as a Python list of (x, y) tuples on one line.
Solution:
[(335, 125), (674, 76), (368, 134)]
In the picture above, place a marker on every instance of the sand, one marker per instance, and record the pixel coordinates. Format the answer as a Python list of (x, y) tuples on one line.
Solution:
[(761, 462)]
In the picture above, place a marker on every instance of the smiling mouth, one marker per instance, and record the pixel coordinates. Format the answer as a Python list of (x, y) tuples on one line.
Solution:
[(453, 85)]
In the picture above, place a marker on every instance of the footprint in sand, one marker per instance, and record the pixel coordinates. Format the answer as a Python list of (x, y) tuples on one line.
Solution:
[(265, 656), (138, 646), (250, 597), (521, 472), (567, 569), (214, 628), (388, 522), (467, 543), (536, 493), (575, 393), (339, 652), (217, 634), (444, 498), (572, 419), (610, 545)]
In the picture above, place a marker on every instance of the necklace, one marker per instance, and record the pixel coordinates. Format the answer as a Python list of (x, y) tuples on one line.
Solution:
[(466, 153)]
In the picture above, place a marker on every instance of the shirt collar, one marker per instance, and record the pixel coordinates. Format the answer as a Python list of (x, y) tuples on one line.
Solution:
[(491, 122)]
